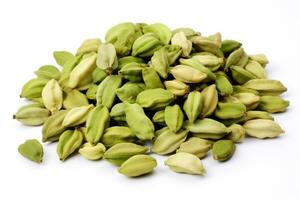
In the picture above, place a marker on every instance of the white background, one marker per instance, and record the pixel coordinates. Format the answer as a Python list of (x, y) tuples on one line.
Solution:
[(261, 169)]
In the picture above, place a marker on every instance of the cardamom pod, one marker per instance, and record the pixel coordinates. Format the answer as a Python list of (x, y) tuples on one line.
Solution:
[(256, 69), (107, 57), (99, 75), (62, 57), (223, 150), (117, 112), (160, 62), (193, 105), (88, 46), (174, 117), (77, 116), (159, 117), (129, 91), (260, 58), (273, 104), (120, 152), (92, 152), (154, 98), (32, 115), (177, 87), (254, 114), (237, 133), (168, 141), (223, 84), (237, 58), (146, 45), (183, 162), (138, 122), (207, 128), (133, 71), (262, 128), (266, 86), (159, 30), (74, 98), (240, 75), (173, 53), (129, 60), (196, 146), (106, 92), (48, 72), (32, 150), (185, 44), (230, 110), (187, 74), (250, 100), (207, 45), (151, 78), (53, 127), (97, 121), (52, 96), (209, 60), (229, 46), (138, 165), (69, 141), (117, 134), (33, 88), (210, 100), (91, 92)]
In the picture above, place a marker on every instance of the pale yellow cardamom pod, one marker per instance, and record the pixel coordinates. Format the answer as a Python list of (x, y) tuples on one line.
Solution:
[(107, 57), (177, 87), (182, 162), (52, 96), (197, 146), (262, 128), (89, 45), (92, 152), (210, 100), (181, 40), (77, 116), (187, 74)]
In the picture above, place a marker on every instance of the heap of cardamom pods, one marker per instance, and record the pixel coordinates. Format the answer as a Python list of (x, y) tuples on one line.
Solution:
[(179, 91)]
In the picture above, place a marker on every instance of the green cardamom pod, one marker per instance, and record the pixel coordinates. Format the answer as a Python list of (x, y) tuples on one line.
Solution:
[(256, 69), (188, 32), (154, 98), (229, 46), (254, 114), (120, 152), (210, 100), (83, 69), (33, 88), (237, 58), (193, 105), (48, 72), (237, 133), (129, 91), (173, 53), (77, 116), (106, 92), (168, 141), (62, 57), (151, 78), (133, 72), (88, 46), (99, 75), (223, 150), (52, 96), (138, 122), (217, 38), (138, 165), (97, 121), (266, 86), (185, 44), (196, 146), (146, 45), (69, 141), (223, 84), (207, 128), (260, 58), (159, 117), (174, 117), (160, 62), (240, 75), (207, 45), (160, 30), (122, 36), (91, 92), (178, 88), (128, 60), (117, 112), (32, 150), (209, 60), (262, 128), (187, 74), (273, 104), (53, 127), (107, 57), (194, 63), (74, 98), (183, 162), (92, 152), (32, 115), (240, 89), (230, 110), (117, 134), (250, 100)]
